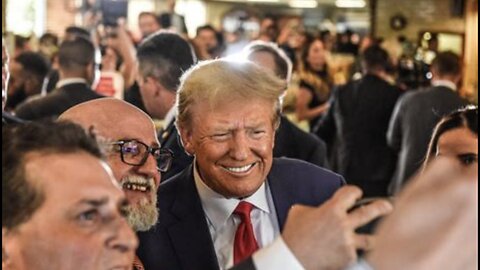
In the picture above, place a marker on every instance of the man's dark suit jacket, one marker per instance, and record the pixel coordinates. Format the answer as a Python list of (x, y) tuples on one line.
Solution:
[(358, 116), (411, 127), (10, 119), (56, 102), (170, 139), (181, 239), (290, 142)]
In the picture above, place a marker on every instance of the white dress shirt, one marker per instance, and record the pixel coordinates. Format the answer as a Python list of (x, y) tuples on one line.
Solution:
[(445, 83), (223, 224)]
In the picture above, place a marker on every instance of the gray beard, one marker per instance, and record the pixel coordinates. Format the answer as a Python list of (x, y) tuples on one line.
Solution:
[(144, 215)]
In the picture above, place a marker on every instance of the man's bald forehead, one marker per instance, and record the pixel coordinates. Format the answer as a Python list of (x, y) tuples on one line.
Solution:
[(104, 114)]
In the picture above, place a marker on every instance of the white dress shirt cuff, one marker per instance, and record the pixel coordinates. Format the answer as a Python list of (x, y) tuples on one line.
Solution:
[(276, 256)]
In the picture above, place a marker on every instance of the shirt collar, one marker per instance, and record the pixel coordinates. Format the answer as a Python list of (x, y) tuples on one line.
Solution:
[(445, 83), (170, 116), (64, 82), (218, 208)]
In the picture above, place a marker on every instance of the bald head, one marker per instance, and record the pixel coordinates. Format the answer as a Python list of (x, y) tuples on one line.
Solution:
[(108, 116), (121, 123)]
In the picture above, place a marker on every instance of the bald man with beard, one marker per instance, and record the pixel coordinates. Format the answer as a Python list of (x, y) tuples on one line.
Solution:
[(133, 154)]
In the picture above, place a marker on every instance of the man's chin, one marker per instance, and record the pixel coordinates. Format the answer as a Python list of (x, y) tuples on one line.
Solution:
[(142, 217)]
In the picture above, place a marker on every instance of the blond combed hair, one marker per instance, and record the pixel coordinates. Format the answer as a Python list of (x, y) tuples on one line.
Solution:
[(221, 80)]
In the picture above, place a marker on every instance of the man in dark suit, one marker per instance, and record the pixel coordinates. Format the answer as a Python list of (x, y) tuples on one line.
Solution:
[(358, 116), (235, 197), (77, 73), (290, 141), (7, 118), (163, 57), (417, 113)]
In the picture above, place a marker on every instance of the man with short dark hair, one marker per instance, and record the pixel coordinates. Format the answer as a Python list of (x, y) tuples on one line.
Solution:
[(163, 57), (61, 208), (77, 74), (358, 119), (206, 43), (28, 71), (148, 23), (417, 113)]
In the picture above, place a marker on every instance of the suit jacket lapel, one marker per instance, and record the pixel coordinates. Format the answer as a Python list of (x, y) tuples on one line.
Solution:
[(191, 231), (166, 133), (283, 198)]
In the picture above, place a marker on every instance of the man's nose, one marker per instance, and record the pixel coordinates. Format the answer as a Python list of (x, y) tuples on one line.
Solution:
[(239, 146)]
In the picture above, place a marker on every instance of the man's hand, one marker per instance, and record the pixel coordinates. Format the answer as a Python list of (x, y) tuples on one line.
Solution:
[(435, 222), (324, 237)]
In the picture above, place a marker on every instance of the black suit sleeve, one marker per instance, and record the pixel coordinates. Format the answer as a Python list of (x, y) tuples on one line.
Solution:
[(326, 127), (394, 133)]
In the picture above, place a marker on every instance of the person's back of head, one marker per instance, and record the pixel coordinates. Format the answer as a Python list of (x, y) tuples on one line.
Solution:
[(446, 64), (72, 32), (165, 56), (283, 64), (75, 56), (34, 64), (376, 59)]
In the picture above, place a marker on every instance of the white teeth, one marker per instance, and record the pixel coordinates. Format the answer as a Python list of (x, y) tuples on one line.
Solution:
[(135, 187), (239, 169)]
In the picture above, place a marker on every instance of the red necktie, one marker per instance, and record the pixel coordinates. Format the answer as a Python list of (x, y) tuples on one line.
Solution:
[(245, 244)]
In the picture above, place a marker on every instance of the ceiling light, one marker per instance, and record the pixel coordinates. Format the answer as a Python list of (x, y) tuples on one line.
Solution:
[(350, 3), (303, 3), (263, 1)]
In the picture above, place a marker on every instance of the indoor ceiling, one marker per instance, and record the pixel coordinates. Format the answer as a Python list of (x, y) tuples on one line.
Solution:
[(304, 3)]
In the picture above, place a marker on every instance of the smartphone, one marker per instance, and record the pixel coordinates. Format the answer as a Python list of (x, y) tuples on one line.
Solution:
[(112, 10)]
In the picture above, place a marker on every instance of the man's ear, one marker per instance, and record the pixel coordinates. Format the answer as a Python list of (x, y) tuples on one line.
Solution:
[(156, 85), (186, 139)]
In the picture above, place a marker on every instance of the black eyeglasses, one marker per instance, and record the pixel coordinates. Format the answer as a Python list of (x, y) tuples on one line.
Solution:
[(135, 153)]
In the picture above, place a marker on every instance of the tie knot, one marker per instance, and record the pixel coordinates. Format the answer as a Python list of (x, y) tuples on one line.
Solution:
[(243, 210)]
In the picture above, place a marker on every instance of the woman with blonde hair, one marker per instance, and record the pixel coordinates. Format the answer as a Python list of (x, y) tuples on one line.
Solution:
[(315, 84)]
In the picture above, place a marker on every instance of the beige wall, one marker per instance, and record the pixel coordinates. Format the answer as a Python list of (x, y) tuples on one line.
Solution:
[(432, 15), (470, 83), (60, 14)]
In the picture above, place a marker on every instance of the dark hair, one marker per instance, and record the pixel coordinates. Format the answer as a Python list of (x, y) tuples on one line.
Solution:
[(49, 38), (283, 65), (376, 58), (446, 63), (76, 54), (165, 56), (149, 14), (73, 32), (21, 198), (306, 50), (207, 27), (466, 117), (33, 63)]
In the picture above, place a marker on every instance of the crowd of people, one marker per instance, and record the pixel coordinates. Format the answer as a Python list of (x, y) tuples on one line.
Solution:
[(228, 181)]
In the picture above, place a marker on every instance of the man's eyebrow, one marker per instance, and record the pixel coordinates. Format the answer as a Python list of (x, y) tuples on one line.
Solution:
[(94, 202)]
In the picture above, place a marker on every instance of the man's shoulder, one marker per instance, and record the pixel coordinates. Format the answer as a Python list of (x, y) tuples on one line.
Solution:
[(299, 170)]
